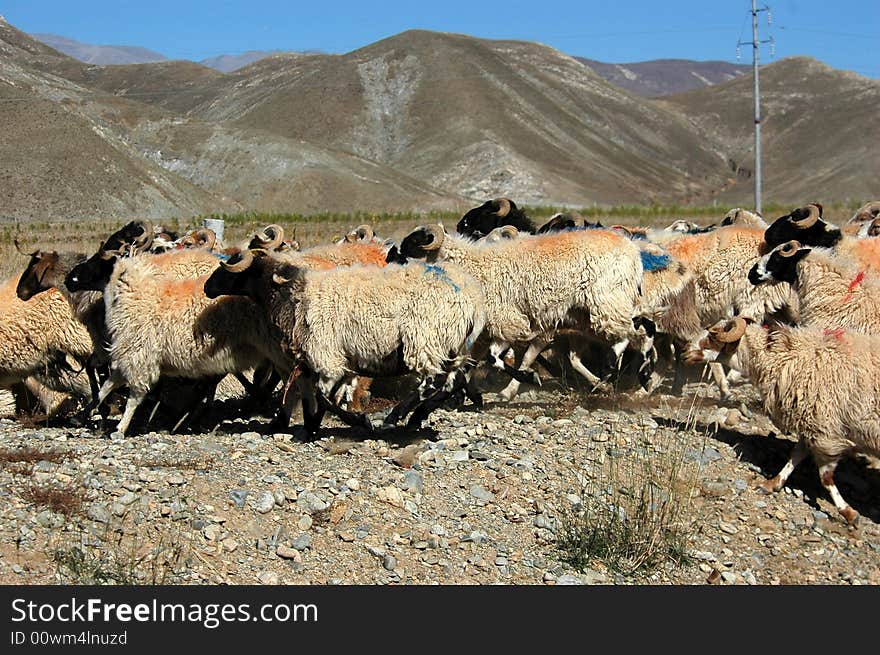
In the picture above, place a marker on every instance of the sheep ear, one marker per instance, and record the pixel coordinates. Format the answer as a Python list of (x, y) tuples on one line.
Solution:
[(277, 279)]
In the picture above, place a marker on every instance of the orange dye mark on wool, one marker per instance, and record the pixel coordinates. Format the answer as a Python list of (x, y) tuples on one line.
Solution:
[(836, 333)]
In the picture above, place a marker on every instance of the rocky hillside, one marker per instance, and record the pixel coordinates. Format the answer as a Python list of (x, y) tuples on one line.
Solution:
[(418, 121), (661, 77), (819, 131), (83, 142)]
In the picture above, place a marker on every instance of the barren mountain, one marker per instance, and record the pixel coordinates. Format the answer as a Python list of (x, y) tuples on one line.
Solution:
[(74, 151), (100, 55), (480, 118), (819, 131), (661, 77), (421, 120), (229, 63)]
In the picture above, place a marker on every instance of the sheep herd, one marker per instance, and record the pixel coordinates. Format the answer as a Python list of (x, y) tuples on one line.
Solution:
[(793, 306)]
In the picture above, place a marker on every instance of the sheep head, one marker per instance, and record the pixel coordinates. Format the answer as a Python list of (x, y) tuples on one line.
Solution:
[(805, 224), (780, 264)]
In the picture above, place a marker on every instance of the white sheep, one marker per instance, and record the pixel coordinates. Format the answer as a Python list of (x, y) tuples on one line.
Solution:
[(822, 385), (366, 320), (832, 291), (585, 278)]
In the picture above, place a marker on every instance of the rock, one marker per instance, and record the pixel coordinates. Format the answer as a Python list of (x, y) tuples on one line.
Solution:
[(127, 498), (729, 577), (229, 545), (389, 563), (413, 482), (268, 577), (302, 542), (212, 532), (238, 497), (480, 493), (569, 580), (460, 456), (265, 502), (99, 513), (305, 522), (703, 457), (353, 484), (49, 519), (176, 479), (727, 528), (406, 457), (286, 552), (308, 502), (391, 495)]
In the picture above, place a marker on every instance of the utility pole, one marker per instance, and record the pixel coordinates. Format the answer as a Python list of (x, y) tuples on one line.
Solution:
[(755, 42)]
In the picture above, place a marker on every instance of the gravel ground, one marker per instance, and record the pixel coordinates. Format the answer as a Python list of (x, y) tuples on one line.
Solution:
[(472, 498)]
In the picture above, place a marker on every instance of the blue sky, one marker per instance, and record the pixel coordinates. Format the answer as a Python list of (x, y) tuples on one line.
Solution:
[(842, 34)]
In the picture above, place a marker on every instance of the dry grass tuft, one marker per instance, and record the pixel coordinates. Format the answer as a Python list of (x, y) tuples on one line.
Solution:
[(61, 499)]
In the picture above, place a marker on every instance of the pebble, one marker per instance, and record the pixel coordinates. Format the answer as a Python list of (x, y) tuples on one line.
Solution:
[(99, 513), (268, 578), (302, 542), (238, 497), (480, 493), (286, 552), (176, 479), (389, 563), (265, 502), (309, 502), (305, 522), (413, 482)]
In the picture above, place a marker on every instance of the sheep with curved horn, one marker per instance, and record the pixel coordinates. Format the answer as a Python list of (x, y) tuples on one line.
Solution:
[(793, 370)]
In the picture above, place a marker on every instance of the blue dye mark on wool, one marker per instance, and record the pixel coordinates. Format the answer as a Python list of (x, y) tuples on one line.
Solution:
[(652, 262), (221, 256), (440, 274)]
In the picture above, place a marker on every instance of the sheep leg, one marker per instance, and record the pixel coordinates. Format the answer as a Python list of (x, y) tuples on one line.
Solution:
[(313, 412), (135, 398), (496, 359), (576, 363), (453, 383), (93, 381), (826, 475), (535, 348), (349, 418), (678, 375), (404, 407), (472, 391), (776, 483), (717, 371)]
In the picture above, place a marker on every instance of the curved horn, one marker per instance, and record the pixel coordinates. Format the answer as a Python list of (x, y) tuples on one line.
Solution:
[(364, 232), (145, 240), (874, 228), (789, 248), (732, 331), (866, 212), (503, 207), (206, 236), (810, 220), (436, 231), (271, 237), (26, 254), (247, 258), (508, 232)]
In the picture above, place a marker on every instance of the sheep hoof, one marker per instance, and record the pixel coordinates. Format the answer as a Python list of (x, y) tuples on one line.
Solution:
[(536, 379), (506, 395), (851, 516)]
